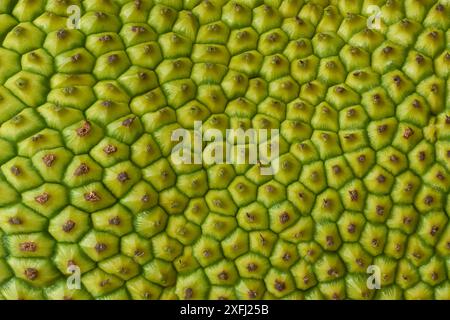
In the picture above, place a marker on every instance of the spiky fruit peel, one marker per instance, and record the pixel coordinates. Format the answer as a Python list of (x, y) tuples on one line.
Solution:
[(89, 187)]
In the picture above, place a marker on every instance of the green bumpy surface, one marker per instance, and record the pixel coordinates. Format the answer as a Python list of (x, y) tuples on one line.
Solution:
[(88, 188)]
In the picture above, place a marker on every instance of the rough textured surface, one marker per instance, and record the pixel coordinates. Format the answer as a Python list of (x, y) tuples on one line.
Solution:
[(87, 184)]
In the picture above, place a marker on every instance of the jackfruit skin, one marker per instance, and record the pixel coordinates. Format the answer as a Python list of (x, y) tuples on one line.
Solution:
[(88, 187)]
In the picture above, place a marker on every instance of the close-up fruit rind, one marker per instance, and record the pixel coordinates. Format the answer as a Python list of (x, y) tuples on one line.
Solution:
[(345, 196)]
